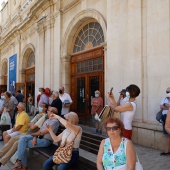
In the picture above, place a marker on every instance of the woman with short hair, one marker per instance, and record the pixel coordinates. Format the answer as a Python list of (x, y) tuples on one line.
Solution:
[(127, 110), (115, 151)]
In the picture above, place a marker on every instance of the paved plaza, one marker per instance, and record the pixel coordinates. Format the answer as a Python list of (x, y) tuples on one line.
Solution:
[(149, 158)]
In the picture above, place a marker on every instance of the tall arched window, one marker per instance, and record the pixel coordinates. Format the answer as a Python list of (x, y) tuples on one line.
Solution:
[(89, 35)]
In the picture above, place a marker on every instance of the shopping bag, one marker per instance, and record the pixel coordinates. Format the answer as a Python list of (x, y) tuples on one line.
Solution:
[(5, 118)]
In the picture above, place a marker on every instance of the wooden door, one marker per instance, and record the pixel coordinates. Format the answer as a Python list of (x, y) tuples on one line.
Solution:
[(87, 71), (3, 88), (85, 88), (30, 89)]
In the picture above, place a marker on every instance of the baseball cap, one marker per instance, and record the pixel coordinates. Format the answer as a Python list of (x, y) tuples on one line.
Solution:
[(123, 91)]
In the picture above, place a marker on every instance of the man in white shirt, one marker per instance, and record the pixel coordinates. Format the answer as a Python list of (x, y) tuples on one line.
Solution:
[(66, 101), (122, 98)]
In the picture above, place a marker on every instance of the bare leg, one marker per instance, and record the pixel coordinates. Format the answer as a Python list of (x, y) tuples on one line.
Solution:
[(4, 134), (167, 144), (7, 138)]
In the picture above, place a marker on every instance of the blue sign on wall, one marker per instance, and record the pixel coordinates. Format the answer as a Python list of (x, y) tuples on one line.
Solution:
[(12, 72)]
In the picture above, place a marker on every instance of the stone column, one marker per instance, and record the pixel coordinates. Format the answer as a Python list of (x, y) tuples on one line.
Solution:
[(106, 86), (39, 61), (65, 72), (22, 75)]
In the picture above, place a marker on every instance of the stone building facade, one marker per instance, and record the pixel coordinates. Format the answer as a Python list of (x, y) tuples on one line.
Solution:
[(88, 44)]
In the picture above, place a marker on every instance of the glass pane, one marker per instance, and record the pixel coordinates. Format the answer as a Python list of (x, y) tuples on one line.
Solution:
[(86, 33), (78, 70), (94, 33), (85, 28), (95, 62), (86, 69), (82, 69), (97, 36), (97, 26), (81, 95), (90, 68), (83, 64), (86, 40), (90, 32), (91, 24), (95, 67), (80, 33), (90, 62), (86, 64), (91, 38), (100, 67), (94, 43), (99, 61)]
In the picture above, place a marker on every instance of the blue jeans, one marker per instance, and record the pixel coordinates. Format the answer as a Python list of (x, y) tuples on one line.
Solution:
[(48, 164), (26, 142)]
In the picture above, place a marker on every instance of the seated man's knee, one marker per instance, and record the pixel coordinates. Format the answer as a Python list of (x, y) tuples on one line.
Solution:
[(4, 133)]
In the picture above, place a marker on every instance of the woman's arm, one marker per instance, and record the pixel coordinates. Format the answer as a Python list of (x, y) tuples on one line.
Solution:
[(99, 156), (167, 124), (54, 137), (67, 124), (111, 100), (130, 156), (123, 108)]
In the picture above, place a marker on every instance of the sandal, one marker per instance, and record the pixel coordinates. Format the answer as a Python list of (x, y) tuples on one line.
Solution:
[(163, 153), (17, 165)]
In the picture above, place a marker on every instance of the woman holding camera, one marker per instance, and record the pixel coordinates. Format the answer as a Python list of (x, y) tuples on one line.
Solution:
[(127, 110)]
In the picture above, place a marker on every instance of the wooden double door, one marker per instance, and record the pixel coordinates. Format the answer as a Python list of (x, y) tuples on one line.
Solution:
[(87, 76), (85, 88)]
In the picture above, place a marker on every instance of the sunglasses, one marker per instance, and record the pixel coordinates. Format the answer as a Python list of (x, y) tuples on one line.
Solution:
[(167, 92), (112, 128)]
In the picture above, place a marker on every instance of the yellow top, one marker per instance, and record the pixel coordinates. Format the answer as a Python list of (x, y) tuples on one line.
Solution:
[(22, 119)]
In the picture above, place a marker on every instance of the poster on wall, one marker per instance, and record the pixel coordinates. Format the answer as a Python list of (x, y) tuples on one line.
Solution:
[(12, 73)]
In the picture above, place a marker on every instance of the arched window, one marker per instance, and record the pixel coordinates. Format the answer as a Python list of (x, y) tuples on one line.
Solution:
[(89, 35), (31, 60)]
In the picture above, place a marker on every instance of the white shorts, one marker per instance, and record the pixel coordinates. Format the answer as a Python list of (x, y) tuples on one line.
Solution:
[(13, 134)]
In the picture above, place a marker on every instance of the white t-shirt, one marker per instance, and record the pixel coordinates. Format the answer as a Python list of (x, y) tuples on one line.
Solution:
[(127, 117), (123, 101), (63, 98), (165, 100), (70, 135)]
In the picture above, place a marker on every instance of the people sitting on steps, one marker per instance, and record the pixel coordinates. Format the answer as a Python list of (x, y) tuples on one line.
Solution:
[(42, 138), (11, 146), (21, 124)]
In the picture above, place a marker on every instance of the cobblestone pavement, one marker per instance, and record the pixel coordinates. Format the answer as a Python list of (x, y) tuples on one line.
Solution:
[(149, 158)]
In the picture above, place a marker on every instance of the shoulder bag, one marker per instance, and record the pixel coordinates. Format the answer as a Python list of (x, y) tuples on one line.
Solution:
[(64, 153), (159, 115)]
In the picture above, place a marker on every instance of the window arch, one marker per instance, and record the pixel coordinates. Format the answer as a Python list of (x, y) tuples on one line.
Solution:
[(89, 35), (31, 60)]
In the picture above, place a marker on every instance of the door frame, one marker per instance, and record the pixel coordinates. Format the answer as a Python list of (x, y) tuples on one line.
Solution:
[(92, 54)]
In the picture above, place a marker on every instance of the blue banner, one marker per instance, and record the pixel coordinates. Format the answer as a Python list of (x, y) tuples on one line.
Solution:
[(12, 73)]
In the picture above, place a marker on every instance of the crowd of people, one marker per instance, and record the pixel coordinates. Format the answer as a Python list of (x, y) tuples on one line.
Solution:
[(116, 151)]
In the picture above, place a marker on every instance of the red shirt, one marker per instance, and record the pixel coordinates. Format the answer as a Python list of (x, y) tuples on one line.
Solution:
[(98, 101)]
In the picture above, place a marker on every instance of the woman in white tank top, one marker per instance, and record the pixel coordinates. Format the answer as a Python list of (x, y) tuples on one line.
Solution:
[(128, 109)]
